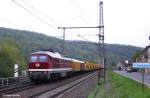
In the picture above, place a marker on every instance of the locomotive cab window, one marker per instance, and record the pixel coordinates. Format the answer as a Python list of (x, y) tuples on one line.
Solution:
[(43, 58), (33, 59)]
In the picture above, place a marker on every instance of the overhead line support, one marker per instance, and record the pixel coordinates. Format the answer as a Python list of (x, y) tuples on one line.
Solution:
[(79, 27), (102, 59), (64, 28)]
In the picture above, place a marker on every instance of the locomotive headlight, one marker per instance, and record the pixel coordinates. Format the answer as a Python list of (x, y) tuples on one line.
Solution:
[(37, 65)]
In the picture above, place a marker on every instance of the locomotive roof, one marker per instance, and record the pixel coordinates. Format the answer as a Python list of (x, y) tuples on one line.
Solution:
[(69, 59), (52, 54), (56, 55)]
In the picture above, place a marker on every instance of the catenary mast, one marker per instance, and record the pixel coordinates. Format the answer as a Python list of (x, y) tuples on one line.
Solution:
[(101, 59)]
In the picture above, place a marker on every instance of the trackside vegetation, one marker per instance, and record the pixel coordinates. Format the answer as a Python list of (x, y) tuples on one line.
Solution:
[(9, 55), (117, 86)]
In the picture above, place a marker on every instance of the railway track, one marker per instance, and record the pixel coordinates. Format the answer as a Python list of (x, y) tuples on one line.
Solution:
[(15, 88), (48, 90), (59, 91)]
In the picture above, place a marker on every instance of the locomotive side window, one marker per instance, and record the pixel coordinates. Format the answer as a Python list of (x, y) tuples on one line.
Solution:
[(43, 58), (33, 59)]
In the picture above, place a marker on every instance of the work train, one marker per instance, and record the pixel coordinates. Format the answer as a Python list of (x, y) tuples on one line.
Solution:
[(46, 65)]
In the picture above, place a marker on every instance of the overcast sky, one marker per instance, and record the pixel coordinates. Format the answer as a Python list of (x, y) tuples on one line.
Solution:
[(126, 21)]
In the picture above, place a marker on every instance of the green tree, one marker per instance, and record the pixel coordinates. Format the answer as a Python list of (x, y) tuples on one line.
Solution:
[(9, 55)]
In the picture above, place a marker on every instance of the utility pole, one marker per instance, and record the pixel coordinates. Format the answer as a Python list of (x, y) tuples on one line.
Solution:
[(101, 44)]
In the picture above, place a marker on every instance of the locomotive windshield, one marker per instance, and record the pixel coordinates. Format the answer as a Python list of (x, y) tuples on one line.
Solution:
[(38, 58), (43, 58), (33, 59)]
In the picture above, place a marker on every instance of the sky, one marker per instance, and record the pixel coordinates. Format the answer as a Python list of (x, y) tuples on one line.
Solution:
[(125, 21)]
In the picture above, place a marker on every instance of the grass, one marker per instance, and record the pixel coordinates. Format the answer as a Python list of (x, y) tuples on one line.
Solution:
[(120, 87)]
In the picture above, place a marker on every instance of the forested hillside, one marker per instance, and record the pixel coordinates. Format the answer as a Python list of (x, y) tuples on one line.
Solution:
[(29, 42)]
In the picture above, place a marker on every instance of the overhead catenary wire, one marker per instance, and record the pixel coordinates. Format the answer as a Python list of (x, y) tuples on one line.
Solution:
[(38, 17), (52, 20), (81, 10), (72, 19), (78, 10), (42, 20), (40, 12), (83, 38)]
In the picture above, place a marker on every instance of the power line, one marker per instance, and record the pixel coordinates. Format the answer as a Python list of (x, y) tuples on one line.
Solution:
[(81, 10), (83, 37), (72, 19), (49, 18), (78, 10), (42, 20)]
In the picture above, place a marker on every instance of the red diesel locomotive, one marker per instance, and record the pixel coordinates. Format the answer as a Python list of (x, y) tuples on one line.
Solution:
[(45, 65)]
